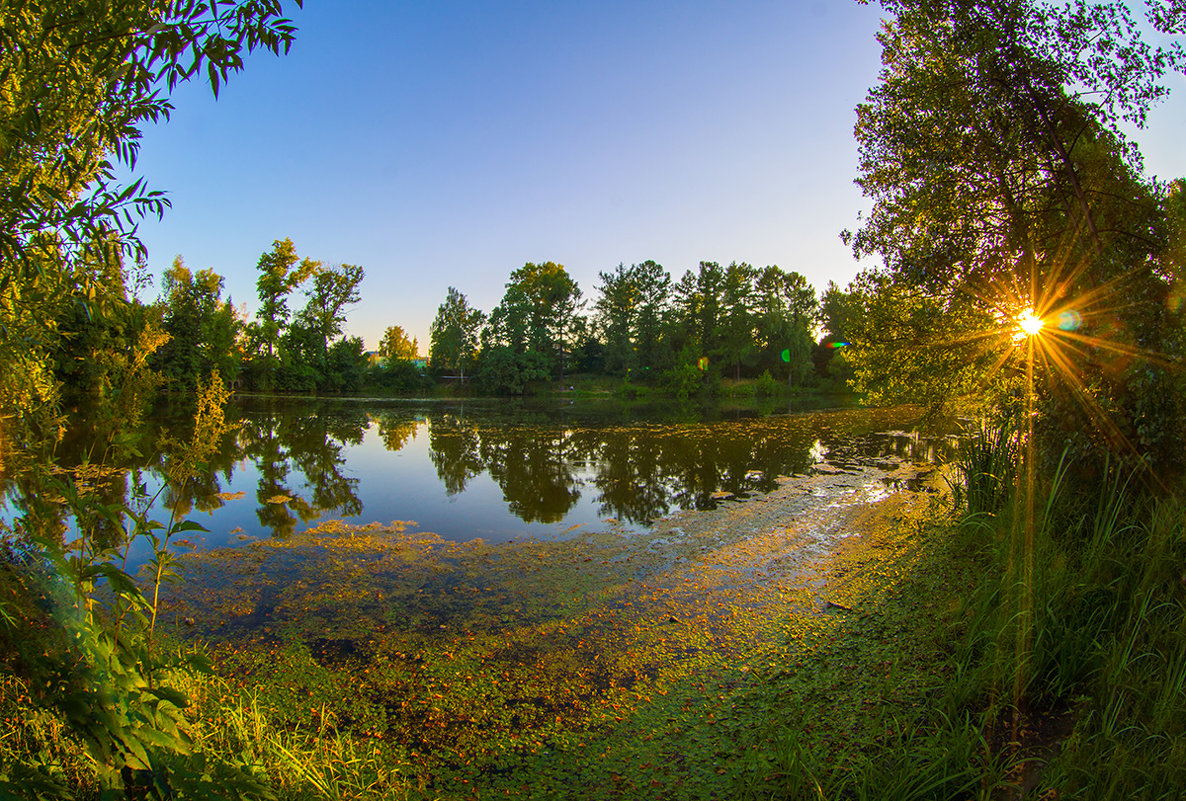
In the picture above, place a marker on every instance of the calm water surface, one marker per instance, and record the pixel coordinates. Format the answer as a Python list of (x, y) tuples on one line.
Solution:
[(500, 470)]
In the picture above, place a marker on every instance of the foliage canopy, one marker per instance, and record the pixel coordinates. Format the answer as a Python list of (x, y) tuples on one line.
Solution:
[(992, 148)]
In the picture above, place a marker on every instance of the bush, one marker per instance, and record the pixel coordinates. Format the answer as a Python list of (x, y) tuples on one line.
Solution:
[(398, 376), (767, 386), (502, 371), (742, 389), (628, 391)]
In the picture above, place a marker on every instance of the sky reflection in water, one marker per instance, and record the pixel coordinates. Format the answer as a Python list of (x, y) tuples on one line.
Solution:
[(500, 471)]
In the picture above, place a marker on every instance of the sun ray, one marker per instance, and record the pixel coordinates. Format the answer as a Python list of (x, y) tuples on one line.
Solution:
[(1098, 415)]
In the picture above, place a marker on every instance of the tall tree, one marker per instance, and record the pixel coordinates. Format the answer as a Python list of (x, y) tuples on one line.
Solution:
[(837, 312), (509, 322), (1001, 181), (569, 324), (332, 290), (738, 319), (782, 294), (204, 329), (653, 304), (550, 294), (454, 333), (537, 311), (698, 308), (396, 346), (280, 272), (787, 310), (630, 309), (616, 311)]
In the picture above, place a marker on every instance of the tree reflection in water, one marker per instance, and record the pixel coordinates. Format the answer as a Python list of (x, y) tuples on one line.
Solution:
[(548, 467), (533, 466), (454, 447), (312, 441)]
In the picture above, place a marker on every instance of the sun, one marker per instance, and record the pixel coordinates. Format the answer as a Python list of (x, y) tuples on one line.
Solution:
[(1029, 323)]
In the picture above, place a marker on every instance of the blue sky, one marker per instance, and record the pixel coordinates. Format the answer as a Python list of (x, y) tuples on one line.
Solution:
[(447, 142)]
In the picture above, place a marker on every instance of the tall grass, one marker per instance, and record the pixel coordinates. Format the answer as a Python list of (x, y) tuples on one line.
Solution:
[(319, 763), (1103, 606)]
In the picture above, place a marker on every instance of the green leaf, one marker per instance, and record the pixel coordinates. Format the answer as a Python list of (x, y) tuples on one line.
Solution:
[(174, 697)]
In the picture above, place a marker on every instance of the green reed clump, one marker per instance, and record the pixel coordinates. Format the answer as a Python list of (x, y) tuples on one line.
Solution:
[(985, 468), (1129, 740), (317, 761)]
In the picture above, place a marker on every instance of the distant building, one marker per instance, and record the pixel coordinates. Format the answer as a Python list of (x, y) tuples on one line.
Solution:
[(376, 359)]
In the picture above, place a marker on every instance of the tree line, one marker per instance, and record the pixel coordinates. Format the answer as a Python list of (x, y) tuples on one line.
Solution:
[(642, 326), (735, 321)]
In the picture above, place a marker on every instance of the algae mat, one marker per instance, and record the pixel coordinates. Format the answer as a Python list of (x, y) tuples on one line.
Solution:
[(595, 666)]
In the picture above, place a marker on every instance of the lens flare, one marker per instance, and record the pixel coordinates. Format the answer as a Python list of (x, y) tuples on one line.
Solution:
[(1070, 320)]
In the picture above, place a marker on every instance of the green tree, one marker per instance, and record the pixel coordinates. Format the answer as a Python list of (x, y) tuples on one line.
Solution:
[(570, 324), (785, 295), (537, 313), (738, 319), (203, 328), (698, 309), (552, 298), (905, 349), (395, 345), (1001, 181), (509, 322), (787, 310), (332, 290), (280, 272), (653, 287), (345, 366), (454, 333), (839, 314), (616, 311), (504, 371)]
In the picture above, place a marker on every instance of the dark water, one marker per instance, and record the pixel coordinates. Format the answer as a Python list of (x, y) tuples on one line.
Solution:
[(499, 471)]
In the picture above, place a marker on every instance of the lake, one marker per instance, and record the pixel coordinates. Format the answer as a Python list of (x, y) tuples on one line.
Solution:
[(500, 470)]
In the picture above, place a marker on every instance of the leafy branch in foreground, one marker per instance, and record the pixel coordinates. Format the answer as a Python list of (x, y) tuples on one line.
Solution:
[(79, 80), (79, 632)]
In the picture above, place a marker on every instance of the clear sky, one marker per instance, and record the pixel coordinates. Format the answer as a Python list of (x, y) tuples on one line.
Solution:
[(447, 142)]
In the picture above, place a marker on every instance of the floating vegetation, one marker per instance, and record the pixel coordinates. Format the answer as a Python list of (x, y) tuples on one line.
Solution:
[(467, 657)]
